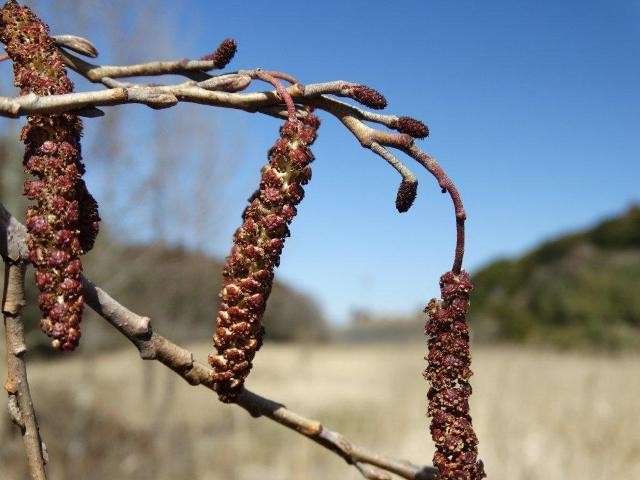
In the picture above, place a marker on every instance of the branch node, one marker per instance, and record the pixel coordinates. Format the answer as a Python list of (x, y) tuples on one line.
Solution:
[(147, 351), (89, 112), (14, 412), (372, 473)]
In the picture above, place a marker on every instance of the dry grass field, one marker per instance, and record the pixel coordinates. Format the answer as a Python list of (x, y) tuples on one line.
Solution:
[(539, 415)]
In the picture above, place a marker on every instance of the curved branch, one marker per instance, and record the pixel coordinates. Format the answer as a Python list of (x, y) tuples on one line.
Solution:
[(351, 117), (153, 346)]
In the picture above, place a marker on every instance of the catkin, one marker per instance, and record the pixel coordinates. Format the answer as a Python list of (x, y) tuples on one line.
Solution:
[(257, 244), (63, 221), (448, 372)]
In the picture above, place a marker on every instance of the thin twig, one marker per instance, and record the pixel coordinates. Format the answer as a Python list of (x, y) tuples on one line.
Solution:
[(95, 73), (17, 386), (153, 346), (167, 96)]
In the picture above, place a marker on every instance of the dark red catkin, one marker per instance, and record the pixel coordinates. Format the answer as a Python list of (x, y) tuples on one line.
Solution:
[(63, 222), (223, 54), (448, 372), (257, 244)]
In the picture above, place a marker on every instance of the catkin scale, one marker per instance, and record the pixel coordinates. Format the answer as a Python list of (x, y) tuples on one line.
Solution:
[(448, 373), (63, 221), (257, 245)]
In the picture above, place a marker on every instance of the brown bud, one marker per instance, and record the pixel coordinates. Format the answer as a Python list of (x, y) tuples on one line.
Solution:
[(223, 54), (411, 126)]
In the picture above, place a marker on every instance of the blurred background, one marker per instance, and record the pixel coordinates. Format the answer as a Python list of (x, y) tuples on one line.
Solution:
[(534, 112)]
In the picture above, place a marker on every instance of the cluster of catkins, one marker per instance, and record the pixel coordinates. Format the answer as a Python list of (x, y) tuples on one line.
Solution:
[(448, 372), (63, 221), (257, 244)]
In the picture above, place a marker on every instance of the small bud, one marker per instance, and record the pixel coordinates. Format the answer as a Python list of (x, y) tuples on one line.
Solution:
[(411, 126), (406, 195), (366, 96), (223, 54)]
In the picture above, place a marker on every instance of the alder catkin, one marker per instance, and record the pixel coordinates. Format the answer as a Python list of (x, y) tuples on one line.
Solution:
[(411, 126), (257, 244), (367, 96), (448, 372), (223, 54), (63, 221)]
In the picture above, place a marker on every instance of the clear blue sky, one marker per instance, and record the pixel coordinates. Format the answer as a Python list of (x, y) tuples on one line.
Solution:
[(534, 110)]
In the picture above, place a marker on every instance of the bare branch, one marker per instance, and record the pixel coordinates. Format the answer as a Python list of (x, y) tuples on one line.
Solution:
[(96, 73), (153, 346), (20, 403), (351, 117)]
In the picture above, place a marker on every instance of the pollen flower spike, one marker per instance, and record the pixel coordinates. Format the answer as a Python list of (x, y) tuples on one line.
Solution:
[(257, 244), (448, 373), (63, 221)]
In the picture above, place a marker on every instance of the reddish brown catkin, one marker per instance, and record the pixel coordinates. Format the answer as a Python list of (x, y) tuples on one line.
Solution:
[(448, 372), (63, 222), (257, 244)]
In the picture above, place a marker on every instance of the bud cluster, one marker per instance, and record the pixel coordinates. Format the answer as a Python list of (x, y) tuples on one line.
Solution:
[(448, 373), (63, 222), (257, 245)]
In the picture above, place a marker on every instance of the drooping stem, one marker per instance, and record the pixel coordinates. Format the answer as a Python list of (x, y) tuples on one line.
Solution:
[(447, 186)]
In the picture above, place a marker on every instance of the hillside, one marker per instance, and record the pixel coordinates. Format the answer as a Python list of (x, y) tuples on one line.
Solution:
[(178, 290), (581, 288)]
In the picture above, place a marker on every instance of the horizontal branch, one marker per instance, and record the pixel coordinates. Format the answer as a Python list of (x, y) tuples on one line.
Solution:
[(222, 91), (96, 73), (153, 346)]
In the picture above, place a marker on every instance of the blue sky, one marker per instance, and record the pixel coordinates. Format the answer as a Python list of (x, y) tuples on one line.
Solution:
[(534, 111)]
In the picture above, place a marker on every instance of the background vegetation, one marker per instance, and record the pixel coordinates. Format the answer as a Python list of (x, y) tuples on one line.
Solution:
[(578, 289)]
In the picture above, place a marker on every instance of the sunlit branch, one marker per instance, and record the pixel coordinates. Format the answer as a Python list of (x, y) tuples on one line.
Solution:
[(153, 346)]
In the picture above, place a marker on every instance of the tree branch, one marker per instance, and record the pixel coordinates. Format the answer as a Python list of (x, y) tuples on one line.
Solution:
[(20, 403), (219, 91), (153, 346), (267, 102)]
